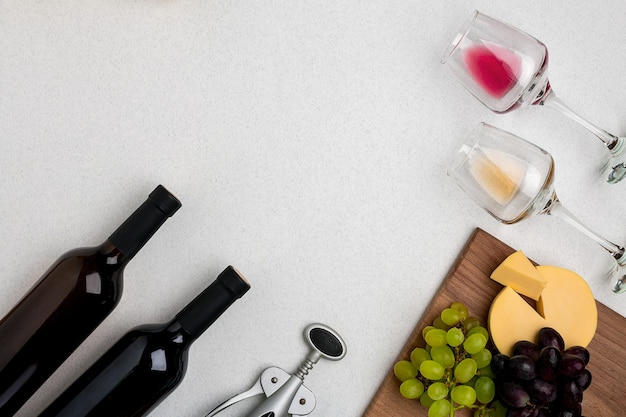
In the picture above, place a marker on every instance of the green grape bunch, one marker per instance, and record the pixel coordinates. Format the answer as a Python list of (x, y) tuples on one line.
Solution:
[(453, 370)]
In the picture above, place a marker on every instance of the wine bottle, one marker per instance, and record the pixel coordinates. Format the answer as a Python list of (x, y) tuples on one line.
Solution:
[(149, 362), (71, 299)]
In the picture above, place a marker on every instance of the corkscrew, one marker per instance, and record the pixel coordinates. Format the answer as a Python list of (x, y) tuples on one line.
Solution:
[(285, 393)]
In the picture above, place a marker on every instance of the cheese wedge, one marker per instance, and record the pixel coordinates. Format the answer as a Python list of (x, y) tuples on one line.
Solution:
[(566, 304), (520, 274), (512, 319)]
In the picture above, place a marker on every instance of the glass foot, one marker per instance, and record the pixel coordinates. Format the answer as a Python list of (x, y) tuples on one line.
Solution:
[(616, 174), (615, 167), (616, 276), (620, 285)]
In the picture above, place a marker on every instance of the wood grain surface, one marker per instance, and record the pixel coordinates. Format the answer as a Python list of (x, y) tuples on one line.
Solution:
[(469, 282)]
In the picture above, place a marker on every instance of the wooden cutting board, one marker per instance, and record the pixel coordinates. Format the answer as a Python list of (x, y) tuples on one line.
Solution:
[(469, 282)]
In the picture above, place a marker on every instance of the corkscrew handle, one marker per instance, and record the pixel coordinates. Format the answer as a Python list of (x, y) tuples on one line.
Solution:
[(324, 343)]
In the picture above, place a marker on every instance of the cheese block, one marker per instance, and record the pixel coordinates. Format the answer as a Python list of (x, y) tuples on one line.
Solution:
[(517, 272), (568, 299), (565, 304)]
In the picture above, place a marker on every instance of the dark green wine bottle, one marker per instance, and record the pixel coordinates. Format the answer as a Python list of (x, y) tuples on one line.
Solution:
[(149, 362), (72, 298)]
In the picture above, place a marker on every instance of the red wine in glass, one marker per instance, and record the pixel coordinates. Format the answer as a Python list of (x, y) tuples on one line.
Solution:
[(496, 70)]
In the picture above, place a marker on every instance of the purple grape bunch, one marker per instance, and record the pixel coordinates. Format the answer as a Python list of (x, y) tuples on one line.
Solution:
[(542, 379)]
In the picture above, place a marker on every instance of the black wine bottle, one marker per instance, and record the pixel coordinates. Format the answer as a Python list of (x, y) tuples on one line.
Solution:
[(149, 362), (72, 298)]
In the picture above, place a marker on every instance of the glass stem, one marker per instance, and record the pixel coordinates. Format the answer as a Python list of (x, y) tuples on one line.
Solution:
[(552, 101), (556, 208)]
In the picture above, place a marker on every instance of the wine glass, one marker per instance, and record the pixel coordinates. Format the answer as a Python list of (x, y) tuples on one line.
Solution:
[(506, 68), (512, 179)]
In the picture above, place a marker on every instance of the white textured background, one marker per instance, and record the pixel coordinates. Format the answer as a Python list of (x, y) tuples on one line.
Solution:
[(308, 142)]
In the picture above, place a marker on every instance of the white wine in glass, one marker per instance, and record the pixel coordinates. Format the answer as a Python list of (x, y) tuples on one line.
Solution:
[(512, 179), (506, 68)]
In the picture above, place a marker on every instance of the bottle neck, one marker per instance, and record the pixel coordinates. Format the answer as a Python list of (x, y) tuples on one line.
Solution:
[(133, 234), (177, 335), (207, 307), (111, 256)]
